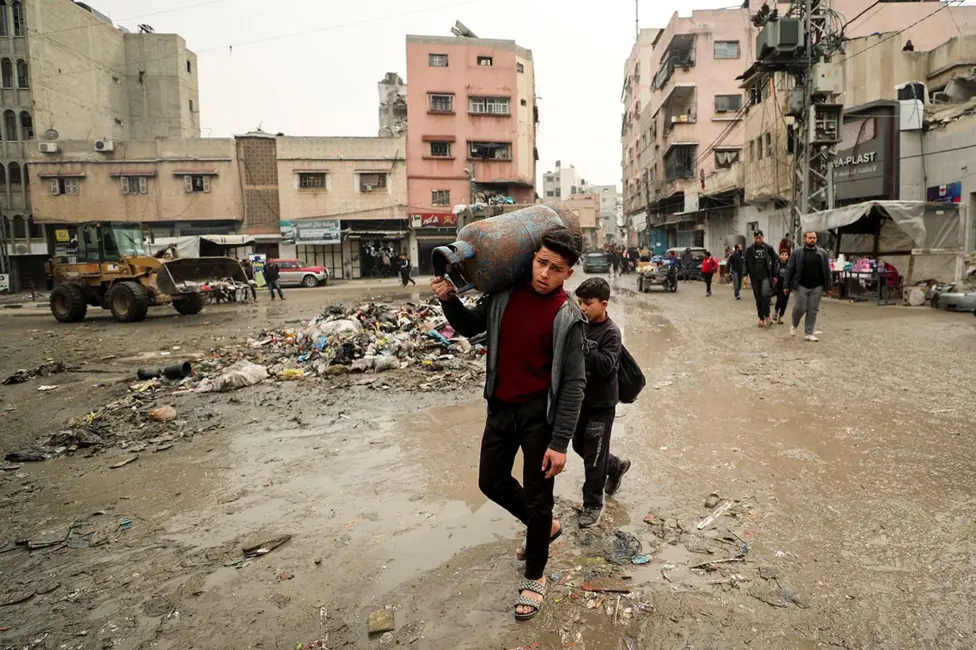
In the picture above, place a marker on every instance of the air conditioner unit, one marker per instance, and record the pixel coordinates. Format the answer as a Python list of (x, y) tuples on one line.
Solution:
[(104, 146), (48, 147)]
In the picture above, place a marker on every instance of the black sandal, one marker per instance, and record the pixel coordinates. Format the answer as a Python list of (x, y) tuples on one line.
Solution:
[(520, 552), (524, 601)]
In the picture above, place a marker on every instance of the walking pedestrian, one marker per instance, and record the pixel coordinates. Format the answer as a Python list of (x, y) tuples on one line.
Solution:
[(272, 275), (534, 384), (761, 264), (708, 268), (736, 270), (808, 276), (781, 287), (602, 345), (405, 270)]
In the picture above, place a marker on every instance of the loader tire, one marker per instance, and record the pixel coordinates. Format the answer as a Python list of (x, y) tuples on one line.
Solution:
[(129, 302), (68, 303), (190, 304)]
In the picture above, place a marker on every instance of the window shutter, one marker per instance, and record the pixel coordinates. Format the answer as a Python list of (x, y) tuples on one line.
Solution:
[(143, 185), (206, 183), (125, 184), (55, 190), (188, 184)]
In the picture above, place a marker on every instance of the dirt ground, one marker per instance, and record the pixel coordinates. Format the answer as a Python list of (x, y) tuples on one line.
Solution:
[(846, 466)]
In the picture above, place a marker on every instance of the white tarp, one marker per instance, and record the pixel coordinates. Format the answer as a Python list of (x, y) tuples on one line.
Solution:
[(229, 240), (929, 226), (185, 246)]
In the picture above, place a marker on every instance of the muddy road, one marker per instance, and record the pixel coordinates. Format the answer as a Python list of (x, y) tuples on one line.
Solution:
[(845, 467)]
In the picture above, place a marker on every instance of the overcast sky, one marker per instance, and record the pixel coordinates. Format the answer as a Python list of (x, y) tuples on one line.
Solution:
[(310, 67)]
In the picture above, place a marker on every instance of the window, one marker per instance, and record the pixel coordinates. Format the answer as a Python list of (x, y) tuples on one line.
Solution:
[(191, 106), (10, 126), (7, 73), (26, 126), (189, 66), (752, 227), (726, 49), (440, 197), (490, 150), (728, 103), (22, 78), (725, 159), (488, 105), (524, 103), (440, 103), (312, 181), (752, 150), (372, 182), (62, 186), (519, 67), (20, 227), (485, 61), (769, 144), (437, 60), (550, 193), (759, 148), (135, 185), (440, 149), (4, 30), (20, 28), (193, 183)]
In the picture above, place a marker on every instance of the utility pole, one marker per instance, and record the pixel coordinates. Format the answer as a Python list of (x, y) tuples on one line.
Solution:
[(818, 126)]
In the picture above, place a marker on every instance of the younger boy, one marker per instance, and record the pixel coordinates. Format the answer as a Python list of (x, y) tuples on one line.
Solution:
[(782, 298), (604, 471)]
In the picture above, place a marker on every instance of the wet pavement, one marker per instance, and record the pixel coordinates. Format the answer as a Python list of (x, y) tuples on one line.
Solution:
[(850, 460)]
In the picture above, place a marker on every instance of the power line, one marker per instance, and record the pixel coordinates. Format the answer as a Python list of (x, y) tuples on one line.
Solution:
[(903, 30), (854, 19)]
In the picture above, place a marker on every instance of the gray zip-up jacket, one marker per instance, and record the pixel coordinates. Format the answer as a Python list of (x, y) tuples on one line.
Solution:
[(794, 268), (568, 360)]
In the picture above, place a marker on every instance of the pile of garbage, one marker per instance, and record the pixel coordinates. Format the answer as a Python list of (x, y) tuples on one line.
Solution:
[(371, 337)]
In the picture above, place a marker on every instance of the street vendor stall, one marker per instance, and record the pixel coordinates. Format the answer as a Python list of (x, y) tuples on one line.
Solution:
[(875, 239)]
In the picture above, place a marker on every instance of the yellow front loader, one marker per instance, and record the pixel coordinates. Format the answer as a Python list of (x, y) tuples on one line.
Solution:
[(112, 270)]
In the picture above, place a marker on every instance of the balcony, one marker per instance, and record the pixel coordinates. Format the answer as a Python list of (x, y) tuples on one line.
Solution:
[(680, 54), (680, 106), (680, 161)]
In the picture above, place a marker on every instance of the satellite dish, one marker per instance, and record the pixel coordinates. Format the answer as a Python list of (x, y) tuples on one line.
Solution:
[(461, 31), (51, 134)]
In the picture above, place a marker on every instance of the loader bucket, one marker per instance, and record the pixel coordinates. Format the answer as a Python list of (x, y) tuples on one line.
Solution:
[(185, 275)]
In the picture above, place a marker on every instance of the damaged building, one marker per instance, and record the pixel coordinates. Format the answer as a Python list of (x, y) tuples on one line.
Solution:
[(393, 106)]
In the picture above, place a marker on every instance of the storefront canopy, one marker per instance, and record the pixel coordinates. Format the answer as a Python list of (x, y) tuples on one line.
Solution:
[(929, 225)]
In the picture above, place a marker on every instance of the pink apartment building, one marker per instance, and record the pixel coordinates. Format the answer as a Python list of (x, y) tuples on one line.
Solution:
[(473, 116)]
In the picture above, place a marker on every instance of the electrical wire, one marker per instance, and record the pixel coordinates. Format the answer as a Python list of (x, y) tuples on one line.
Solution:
[(903, 30)]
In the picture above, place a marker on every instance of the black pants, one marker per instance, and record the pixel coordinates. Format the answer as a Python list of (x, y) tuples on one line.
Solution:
[(508, 428), (762, 290), (781, 301), (592, 443), (707, 277), (405, 277)]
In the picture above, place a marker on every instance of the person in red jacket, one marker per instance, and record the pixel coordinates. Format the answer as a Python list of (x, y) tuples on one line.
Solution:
[(708, 268)]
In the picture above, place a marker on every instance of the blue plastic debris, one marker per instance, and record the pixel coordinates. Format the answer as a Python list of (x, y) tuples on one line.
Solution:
[(641, 559)]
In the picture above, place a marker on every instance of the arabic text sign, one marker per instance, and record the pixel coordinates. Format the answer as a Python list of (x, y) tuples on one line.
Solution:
[(319, 231)]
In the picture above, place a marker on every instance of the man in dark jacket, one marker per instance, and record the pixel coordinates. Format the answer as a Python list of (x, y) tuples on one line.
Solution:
[(808, 277), (762, 264), (736, 269), (272, 275), (534, 382)]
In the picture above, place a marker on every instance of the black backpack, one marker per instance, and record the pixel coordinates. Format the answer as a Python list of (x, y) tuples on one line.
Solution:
[(630, 378)]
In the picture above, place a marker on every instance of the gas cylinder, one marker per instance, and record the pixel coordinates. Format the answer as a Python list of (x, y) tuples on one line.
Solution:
[(493, 254)]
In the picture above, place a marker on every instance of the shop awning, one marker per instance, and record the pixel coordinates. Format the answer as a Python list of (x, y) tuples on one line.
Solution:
[(229, 240), (911, 217)]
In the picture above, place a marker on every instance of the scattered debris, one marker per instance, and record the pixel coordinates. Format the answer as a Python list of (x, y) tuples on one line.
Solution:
[(124, 462), (608, 586), (43, 370), (641, 559), (44, 389), (163, 414), (712, 500), (25, 457), (237, 376), (16, 598), (381, 621), (663, 384), (710, 519), (265, 547)]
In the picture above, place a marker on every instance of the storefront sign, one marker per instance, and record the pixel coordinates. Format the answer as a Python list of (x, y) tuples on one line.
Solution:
[(4, 282), (318, 231), (951, 193), (62, 235), (433, 220), (865, 166)]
